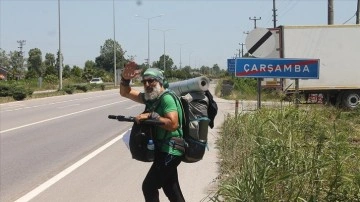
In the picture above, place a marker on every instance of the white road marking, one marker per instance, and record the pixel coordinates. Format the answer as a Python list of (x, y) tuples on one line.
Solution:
[(58, 117), (134, 106), (67, 171), (66, 106), (20, 107)]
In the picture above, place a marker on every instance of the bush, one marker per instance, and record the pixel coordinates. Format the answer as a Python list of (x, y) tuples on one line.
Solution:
[(102, 86), (69, 89), (19, 93), (83, 88), (29, 92), (5, 90), (51, 79)]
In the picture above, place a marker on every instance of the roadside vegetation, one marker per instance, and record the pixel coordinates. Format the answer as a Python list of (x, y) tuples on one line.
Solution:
[(18, 90), (21, 76), (309, 153), (246, 89)]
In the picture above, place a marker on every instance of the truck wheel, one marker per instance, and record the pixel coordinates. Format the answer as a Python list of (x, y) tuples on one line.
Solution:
[(351, 100)]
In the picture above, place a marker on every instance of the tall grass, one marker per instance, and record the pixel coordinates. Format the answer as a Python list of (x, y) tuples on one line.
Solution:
[(290, 154)]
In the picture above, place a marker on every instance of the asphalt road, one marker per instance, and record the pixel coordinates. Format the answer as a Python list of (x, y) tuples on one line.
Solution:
[(65, 149)]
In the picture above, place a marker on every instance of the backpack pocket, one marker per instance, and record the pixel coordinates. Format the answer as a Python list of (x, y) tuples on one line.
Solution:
[(177, 143), (139, 138), (194, 150), (198, 128)]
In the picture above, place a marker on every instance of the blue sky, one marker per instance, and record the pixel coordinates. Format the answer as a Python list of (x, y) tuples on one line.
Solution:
[(209, 31)]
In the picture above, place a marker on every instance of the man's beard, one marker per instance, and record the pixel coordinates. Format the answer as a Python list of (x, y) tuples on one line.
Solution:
[(156, 91)]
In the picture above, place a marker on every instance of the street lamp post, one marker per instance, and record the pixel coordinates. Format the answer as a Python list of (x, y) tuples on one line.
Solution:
[(114, 43), (59, 56), (148, 20), (164, 31), (181, 44), (190, 59)]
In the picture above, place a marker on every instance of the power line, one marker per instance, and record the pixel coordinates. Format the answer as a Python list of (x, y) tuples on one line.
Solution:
[(349, 19)]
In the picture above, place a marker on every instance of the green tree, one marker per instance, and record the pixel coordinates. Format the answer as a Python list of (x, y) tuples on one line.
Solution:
[(4, 59), (66, 71), (50, 70), (16, 65), (50, 64), (90, 64), (106, 59), (204, 70), (89, 70), (49, 60), (215, 69), (57, 64), (76, 71), (35, 62), (160, 64)]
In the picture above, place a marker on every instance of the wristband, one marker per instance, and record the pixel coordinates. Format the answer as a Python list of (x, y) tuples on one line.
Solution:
[(154, 115), (124, 82)]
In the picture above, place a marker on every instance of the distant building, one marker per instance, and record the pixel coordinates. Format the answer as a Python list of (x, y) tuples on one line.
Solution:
[(3, 73)]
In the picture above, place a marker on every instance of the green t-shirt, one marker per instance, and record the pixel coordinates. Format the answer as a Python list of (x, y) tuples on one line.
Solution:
[(165, 105)]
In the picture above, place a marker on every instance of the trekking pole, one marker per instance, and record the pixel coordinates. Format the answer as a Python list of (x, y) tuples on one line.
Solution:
[(132, 119)]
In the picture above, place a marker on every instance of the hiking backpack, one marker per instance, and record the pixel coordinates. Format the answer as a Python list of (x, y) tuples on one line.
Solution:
[(199, 111)]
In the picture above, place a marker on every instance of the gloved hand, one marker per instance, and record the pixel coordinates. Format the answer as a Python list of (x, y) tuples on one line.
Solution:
[(154, 116)]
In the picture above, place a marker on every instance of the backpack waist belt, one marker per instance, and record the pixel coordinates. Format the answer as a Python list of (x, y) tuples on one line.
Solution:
[(177, 143)]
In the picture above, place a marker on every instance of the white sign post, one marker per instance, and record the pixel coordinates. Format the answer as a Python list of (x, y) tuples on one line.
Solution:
[(260, 43)]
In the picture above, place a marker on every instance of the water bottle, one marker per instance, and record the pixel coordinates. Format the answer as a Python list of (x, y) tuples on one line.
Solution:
[(150, 150)]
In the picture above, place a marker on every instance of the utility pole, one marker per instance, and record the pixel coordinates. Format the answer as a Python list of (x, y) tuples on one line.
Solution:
[(239, 52), (242, 49), (164, 31), (21, 45), (60, 55), (274, 13), (114, 44), (255, 19), (330, 12), (358, 12), (181, 44)]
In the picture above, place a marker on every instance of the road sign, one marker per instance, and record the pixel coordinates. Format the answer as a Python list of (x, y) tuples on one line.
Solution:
[(260, 42), (277, 68), (231, 65)]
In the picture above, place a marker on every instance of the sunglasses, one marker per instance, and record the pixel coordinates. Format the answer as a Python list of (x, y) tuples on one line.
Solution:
[(149, 81)]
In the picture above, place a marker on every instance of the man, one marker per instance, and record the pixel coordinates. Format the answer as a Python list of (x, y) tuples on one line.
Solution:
[(163, 172)]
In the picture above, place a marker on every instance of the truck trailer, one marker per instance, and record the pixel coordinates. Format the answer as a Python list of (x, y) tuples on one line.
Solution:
[(338, 48)]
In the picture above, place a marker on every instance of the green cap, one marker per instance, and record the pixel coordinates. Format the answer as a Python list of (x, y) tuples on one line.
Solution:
[(154, 73)]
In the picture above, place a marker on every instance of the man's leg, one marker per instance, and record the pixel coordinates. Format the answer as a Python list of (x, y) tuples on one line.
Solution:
[(163, 174), (171, 184), (151, 185)]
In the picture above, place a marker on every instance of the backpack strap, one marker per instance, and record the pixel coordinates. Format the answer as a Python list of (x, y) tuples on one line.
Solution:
[(177, 100), (176, 142)]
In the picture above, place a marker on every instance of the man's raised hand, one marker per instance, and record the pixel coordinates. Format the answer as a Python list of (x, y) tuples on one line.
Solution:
[(130, 71)]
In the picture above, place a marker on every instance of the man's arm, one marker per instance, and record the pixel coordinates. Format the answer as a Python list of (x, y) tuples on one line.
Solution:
[(170, 119), (129, 72), (128, 92)]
